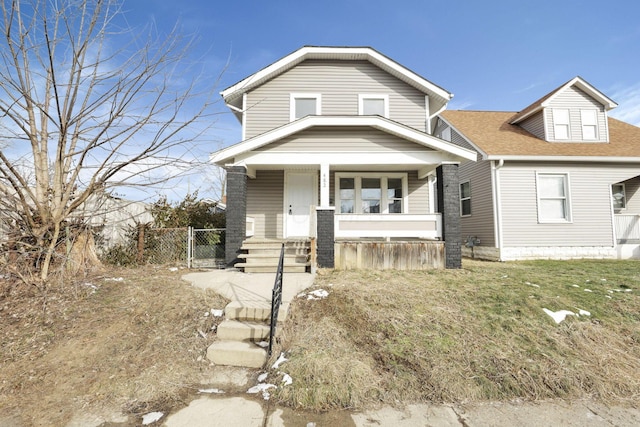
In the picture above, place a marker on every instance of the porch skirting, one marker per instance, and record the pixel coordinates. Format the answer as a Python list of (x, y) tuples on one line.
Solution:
[(394, 255)]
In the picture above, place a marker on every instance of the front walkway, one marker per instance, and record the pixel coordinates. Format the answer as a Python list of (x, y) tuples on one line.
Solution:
[(237, 286)]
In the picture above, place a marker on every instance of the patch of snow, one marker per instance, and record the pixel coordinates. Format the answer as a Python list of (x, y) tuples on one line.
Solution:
[(280, 361), (262, 377), (628, 290), (533, 284), (317, 294), (217, 312), (610, 291), (301, 295), (558, 316), (583, 313), (608, 296), (505, 276), (587, 280), (206, 314), (262, 344), (576, 286), (287, 380), (114, 279), (211, 391), (588, 290), (151, 417), (603, 280), (173, 269), (264, 388)]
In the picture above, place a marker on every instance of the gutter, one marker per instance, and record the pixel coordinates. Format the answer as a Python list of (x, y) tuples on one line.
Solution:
[(497, 205)]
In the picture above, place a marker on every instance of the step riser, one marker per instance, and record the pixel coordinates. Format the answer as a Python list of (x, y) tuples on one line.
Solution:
[(233, 330), (229, 353), (275, 252), (301, 269), (249, 259), (234, 311)]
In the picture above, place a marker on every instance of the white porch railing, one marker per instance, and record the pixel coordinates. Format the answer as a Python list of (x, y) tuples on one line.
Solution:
[(627, 227), (393, 225)]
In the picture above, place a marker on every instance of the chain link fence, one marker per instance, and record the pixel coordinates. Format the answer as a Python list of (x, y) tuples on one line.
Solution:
[(206, 248)]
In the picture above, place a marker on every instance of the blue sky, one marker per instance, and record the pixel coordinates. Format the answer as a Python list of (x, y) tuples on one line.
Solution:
[(493, 55)]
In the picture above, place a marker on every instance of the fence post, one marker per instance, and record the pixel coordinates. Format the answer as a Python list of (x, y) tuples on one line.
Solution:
[(189, 245), (140, 254)]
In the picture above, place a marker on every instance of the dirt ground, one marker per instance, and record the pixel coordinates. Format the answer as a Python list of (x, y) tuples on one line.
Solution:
[(126, 341)]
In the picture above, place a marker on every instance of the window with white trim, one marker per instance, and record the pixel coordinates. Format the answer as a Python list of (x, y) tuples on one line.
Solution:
[(373, 105), (589, 120), (561, 126), (305, 104), (553, 197), (371, 193), (465, 199), (619, 197)]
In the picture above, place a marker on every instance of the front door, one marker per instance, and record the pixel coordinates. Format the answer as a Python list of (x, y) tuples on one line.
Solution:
[(300, 196)]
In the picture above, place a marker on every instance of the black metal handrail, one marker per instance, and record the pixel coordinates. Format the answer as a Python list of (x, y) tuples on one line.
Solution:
[(276, 299)]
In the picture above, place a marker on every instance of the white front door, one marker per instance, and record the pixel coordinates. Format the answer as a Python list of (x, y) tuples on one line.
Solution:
[(300, 196)]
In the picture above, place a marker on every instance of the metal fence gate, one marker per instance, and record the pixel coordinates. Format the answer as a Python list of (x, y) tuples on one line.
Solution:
[(205, 248)]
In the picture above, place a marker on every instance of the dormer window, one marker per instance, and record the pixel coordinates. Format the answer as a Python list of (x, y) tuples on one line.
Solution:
[(305, 104), (373, 105), (589, 124), (561, 124)]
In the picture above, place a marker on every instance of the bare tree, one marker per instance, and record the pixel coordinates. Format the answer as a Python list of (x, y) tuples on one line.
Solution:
[(86, 105)]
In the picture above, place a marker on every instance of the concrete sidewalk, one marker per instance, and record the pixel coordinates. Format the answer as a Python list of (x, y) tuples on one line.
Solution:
[(237, 286), (239, 411)]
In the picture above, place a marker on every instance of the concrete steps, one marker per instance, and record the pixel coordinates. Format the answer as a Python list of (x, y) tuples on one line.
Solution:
[(246, 323), (262, 256)]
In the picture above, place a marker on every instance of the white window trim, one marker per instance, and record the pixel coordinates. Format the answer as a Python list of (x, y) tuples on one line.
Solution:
[(292, 103), (363, 96), (383, 183), (624, 192), (556, 123), (567, 198), (465, 198), (595, 123)]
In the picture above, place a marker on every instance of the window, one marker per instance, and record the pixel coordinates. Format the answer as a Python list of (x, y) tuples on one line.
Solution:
[(589, 124), (553, 198), (619, 197), (371, 193), (372, 105), (304, 104), (561, 123), (465, 199)]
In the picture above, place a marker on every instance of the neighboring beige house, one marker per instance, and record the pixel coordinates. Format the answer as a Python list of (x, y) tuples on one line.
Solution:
[(558, 179), (337, 144)]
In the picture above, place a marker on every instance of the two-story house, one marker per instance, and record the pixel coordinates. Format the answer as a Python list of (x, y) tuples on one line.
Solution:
[(337, 146), (558, 179)]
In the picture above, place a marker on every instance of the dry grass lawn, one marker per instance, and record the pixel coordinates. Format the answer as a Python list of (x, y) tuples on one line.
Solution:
[(125, 340), (476, 334)]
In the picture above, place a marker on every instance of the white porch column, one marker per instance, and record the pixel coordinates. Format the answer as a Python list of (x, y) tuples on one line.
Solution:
[(324, 185)]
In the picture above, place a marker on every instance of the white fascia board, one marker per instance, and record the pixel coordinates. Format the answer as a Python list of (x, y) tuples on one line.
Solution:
[(356, 158), (225, 155), (591, 159), (584, 86), (318, 52)]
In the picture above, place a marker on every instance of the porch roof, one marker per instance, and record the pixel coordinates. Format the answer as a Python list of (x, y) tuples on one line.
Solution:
[(429, 150)]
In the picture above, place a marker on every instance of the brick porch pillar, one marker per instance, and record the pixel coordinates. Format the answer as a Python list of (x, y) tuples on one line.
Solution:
[(326, 237), (236, 213), (449, 207)]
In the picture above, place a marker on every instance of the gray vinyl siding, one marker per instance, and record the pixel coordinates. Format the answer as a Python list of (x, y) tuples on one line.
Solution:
[(345, 140), (590, 204), (535, 125), (265, 203), (575, 100), (481, 221), (457, 139), (339, 83)]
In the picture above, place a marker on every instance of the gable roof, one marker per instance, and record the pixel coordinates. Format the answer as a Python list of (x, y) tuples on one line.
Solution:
[(233, 94), (377, 122), (496, 137), (545, 100)]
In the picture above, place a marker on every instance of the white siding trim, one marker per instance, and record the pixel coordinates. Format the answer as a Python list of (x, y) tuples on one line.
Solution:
[(427, 112), (497, 202), (244, 116)]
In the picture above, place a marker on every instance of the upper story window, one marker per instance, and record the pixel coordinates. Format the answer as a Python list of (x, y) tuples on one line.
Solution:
[(305, 104), (619, 197), (373, 105), (371, 193), (553, 197), (589, 124), (465, 199), (561, 126)]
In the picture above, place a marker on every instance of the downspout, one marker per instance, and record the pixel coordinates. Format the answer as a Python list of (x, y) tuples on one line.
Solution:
[(497, 205)]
